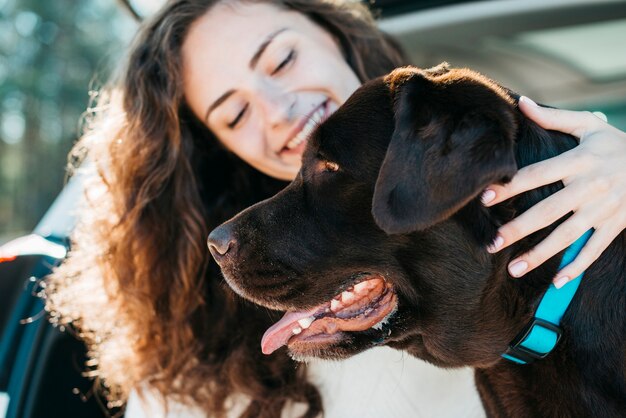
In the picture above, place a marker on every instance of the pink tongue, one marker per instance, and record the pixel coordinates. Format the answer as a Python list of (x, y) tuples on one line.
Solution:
[(279, 333)]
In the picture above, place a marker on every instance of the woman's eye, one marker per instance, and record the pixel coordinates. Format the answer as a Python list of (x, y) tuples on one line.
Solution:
[(232, 124), (286, 61)]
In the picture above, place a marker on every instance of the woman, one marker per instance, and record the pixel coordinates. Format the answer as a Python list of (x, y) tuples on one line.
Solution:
[(209, 116)]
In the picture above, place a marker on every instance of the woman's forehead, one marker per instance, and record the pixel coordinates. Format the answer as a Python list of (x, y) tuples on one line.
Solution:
[(222, 44), (238, 26)]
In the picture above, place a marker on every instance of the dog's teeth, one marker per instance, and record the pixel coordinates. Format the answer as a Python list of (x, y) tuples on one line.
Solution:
[(335, 305), (360, 287), (347, 297), (306, 322), (379, 326), (296, 330)]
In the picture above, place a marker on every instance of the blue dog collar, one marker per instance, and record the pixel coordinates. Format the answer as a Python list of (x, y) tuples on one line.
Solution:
[(542, 333)]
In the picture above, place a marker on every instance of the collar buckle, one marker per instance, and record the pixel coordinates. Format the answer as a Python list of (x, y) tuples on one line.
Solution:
[(519, 353)]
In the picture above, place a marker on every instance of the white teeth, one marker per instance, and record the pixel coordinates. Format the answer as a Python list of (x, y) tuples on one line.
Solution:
[(382, 322), (306, 322), (360, 287), (334, 305), (296, 330), (347, 297), (303, 135)]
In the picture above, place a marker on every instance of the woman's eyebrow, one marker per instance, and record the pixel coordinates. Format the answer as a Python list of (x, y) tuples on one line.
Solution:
[(216, 103), (253, 62), (268, 40)]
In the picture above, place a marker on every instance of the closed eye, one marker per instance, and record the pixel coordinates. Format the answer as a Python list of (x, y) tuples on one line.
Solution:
[(232, 124), (286, 61)]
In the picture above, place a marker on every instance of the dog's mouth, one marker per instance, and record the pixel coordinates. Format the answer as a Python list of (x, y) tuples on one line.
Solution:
[(367, 304)]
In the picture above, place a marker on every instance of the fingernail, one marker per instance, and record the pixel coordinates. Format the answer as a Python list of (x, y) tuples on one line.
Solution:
[(527, 100), (561, 281), (518, 268), (487, 196), (496, 244), (600, 116)]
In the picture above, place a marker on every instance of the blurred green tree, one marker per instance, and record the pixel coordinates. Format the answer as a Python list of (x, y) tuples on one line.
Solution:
[(51, 54)]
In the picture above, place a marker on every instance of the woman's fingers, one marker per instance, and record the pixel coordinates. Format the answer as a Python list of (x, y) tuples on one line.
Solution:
[(572, 122), (536, 175), (599, 241), (594, 175), (562, 237), (539, 216), (607, 219)]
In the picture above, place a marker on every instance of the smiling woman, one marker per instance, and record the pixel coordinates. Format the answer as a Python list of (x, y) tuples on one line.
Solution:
[(161, 321), (210, 115), (263, 98)]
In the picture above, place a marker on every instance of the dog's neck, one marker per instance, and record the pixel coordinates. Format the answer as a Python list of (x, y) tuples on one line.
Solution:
[(587, 367)]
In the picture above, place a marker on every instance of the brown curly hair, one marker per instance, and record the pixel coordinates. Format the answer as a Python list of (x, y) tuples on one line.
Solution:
[(139, 285)]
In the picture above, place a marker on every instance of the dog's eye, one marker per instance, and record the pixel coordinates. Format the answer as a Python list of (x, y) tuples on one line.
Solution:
[(330, 166), (326, 166)]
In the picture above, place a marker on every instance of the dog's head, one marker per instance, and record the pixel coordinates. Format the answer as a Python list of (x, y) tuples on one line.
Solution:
[(381, 237)]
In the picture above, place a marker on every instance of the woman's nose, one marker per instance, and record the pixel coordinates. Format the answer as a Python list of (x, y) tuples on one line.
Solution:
[(277, 106)]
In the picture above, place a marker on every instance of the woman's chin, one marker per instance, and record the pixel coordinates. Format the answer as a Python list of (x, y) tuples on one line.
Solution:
[(289, 167)]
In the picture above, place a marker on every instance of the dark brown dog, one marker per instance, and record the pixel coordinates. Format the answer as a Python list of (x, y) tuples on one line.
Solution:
[(381, 240)]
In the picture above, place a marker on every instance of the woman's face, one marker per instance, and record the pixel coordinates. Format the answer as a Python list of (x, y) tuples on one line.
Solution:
[(261, 77)]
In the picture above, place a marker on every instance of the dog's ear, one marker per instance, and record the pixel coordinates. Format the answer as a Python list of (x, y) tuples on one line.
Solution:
[(442, 153)]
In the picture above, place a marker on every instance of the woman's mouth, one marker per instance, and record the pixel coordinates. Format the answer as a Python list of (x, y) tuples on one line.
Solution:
[(298, 142)]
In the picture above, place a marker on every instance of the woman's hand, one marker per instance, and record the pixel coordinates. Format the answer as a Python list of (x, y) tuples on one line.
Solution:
[(594, 175)]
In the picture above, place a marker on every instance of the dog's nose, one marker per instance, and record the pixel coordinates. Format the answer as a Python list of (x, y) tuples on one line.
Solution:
[(221, 242)]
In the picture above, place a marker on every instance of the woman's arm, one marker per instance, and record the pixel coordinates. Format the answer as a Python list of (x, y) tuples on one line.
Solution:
[(594, 175)]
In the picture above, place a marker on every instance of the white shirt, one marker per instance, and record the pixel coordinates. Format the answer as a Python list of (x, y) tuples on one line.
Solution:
[(379, 383)]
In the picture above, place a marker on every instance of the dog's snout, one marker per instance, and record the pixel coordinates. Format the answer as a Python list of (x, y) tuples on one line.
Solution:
[(221, 242)]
